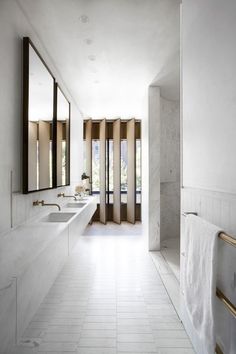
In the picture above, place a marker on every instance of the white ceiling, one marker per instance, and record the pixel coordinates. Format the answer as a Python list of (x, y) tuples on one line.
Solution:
[(109, 51)]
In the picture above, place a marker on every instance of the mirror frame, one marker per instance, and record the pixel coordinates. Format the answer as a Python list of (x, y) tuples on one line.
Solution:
[(27, 43), (56, 88)]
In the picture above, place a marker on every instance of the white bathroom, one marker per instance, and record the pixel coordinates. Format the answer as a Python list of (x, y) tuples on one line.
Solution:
[(117, 177)]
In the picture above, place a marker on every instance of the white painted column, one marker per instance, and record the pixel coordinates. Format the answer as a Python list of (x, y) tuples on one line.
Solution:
[(154, 168)]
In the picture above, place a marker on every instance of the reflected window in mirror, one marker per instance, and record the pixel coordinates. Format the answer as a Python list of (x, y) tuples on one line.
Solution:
[(63, 139)]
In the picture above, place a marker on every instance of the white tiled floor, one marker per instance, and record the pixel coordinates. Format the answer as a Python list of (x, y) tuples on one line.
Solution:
[(108, 299)]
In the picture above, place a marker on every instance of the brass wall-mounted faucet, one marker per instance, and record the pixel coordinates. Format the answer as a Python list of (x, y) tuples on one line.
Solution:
[(41, 202), (66, 196)]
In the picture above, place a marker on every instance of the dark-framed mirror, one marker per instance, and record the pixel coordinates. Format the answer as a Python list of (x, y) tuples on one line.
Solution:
[(62, 138), (38, 121)]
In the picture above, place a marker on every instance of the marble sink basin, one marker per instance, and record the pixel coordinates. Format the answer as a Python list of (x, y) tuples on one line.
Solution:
[(75, 205), (58, 217)]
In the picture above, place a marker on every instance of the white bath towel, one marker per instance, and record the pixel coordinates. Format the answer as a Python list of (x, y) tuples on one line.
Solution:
[(199, 278)]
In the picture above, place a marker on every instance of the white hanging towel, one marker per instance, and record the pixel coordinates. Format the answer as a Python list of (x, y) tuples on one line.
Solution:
[(199, 278)]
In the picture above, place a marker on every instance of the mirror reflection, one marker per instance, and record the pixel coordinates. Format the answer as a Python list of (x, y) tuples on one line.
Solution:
[(63, 139), (40, 129)]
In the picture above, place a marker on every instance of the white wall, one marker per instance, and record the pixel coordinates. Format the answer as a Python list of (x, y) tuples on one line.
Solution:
[(209, 94), (13, 26), (209, 126), (220, 209)]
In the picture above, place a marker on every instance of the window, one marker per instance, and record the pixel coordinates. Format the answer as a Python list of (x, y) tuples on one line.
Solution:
[(37, 147), (92, 129), (123, 170), (84, 157), (138, 171), (110, 171), (96, 168), (63, 153), (50, 163)]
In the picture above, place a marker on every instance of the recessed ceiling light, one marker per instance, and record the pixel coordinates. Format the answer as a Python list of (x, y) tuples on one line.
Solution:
[(84, 18), (88, 41), (92, 57)]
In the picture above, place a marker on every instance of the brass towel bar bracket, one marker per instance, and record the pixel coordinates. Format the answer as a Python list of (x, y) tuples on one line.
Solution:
[(227, 239)]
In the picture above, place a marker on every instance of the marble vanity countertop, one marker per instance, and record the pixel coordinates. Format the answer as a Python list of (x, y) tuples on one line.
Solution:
[(20, 246)]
